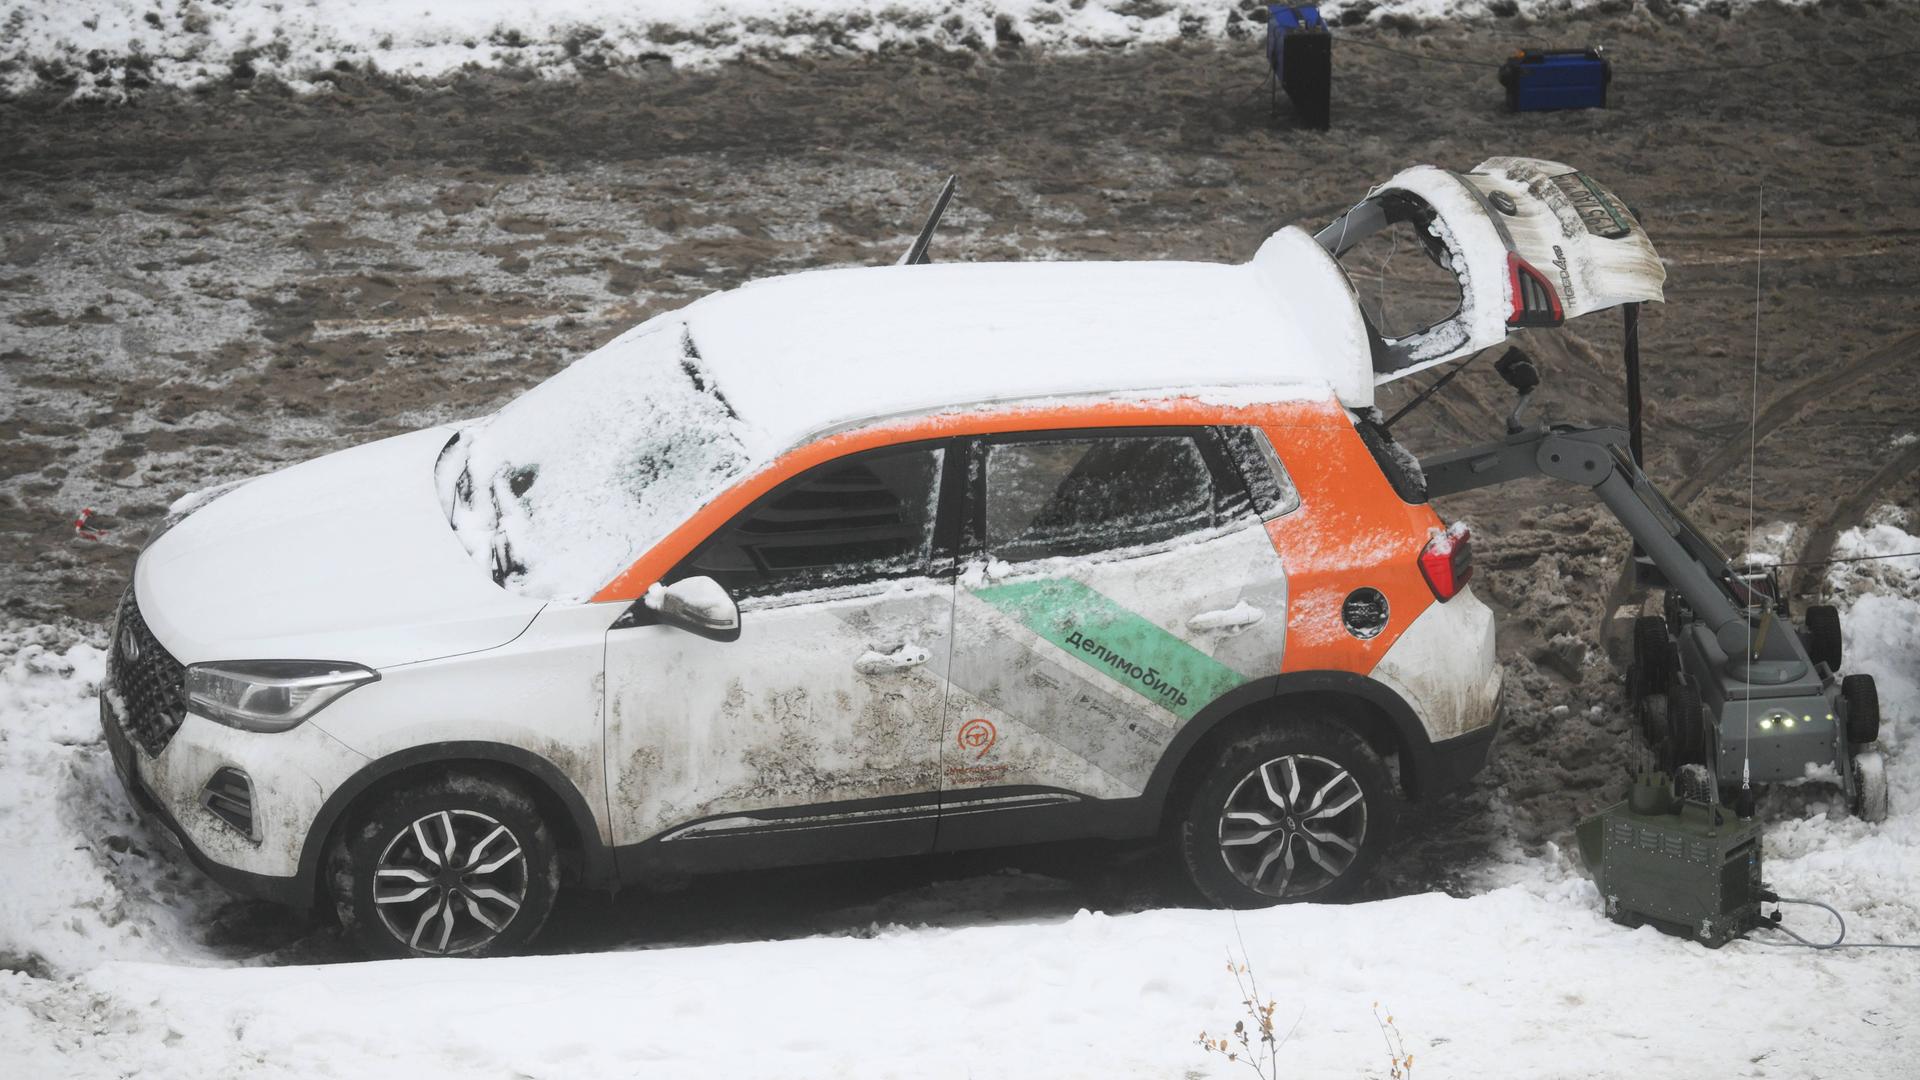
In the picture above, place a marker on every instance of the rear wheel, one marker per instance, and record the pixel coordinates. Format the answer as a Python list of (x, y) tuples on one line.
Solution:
[(1653, 657), (1870, 786), (1295, 812), (1863, 708), (1823, 635), (461, 865), (1653, 719), (1685, 741)]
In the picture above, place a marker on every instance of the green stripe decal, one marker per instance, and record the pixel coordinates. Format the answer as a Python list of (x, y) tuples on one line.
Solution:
[(1119, 644)]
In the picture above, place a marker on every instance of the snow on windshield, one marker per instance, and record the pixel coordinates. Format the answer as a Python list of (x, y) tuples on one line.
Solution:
[(567, 485)]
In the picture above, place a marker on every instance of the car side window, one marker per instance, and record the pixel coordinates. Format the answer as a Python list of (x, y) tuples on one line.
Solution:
[(1268, 485), (869, 517), (1075, 496)]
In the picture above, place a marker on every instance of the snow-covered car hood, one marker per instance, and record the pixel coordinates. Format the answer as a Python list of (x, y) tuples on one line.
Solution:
[(347, 557)]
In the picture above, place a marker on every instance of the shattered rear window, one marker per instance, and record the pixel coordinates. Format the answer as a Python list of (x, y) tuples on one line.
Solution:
[(561, 490)]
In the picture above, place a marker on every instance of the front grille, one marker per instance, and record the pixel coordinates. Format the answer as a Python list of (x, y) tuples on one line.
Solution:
[(150, 684)]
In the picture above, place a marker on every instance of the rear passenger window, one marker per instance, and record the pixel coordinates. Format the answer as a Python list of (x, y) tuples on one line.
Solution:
[(1077, 496), (1268, 484), (867, 518)]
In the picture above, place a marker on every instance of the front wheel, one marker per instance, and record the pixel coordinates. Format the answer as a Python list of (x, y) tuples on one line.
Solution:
[(1300, 811), (1870, 787), (461, 865)]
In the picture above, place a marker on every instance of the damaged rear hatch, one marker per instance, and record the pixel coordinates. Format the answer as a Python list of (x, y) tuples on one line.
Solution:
[(1529, 243)]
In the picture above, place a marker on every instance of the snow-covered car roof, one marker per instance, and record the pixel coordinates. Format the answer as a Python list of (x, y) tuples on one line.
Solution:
[(566, 486), (810, 352)]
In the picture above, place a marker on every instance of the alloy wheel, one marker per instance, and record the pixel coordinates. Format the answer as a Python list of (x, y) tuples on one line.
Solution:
[(450, 882), (1293, 826)]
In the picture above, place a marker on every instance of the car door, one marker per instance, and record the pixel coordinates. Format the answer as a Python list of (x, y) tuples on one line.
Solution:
[(1114, 584), (812, 735)]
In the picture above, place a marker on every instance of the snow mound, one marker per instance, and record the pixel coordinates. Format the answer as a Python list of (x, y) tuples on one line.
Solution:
[(1870, 871), (84, 880), (107, 48)]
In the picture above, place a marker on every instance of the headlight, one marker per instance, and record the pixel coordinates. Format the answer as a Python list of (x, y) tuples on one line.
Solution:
[(269, 695)]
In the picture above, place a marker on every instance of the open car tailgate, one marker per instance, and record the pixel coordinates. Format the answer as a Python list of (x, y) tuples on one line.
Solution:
[(1532, 242)]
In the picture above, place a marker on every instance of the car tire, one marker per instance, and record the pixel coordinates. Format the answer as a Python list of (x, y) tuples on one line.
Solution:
[(460, 865), (1297, 811), (1823, 635), (1863, 708)]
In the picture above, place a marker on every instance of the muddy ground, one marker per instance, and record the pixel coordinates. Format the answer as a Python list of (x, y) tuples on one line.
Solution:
[(199, 288)]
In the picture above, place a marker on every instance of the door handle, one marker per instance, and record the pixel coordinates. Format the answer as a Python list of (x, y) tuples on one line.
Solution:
[(1227, 620), (899, 658)]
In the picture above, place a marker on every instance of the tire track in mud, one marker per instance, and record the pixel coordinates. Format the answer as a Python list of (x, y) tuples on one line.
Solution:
[(1778, 413), (1850, 512), (1787, 407)]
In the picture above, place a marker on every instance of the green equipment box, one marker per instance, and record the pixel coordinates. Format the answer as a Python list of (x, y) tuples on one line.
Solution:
[(1687, 867)]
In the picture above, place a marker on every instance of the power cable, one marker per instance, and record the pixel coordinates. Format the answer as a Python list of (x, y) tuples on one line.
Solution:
[(1839, 941), (1850, 558)]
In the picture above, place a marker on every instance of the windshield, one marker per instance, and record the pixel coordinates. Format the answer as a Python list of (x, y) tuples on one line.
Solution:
[(561, 490)]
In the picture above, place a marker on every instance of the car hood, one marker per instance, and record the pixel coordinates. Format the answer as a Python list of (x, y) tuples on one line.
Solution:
[(347, 557)]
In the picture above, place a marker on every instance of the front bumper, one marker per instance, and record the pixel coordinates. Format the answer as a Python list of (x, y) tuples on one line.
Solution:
[(280, 890), (291, 774)]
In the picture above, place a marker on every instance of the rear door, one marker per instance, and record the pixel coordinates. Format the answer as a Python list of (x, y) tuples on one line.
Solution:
[(1531, 243), (1114, 584)]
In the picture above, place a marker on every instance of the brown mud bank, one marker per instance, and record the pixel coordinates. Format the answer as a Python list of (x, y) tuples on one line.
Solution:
[(200, 288)]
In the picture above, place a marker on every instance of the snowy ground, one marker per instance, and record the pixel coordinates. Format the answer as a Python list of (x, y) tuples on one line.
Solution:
[(106, 969), (106, 49)]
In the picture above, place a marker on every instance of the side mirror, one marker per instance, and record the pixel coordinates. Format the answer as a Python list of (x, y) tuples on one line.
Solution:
[(697, 605)]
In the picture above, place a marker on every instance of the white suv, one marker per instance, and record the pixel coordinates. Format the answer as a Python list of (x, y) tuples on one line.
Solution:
[(845, 564)]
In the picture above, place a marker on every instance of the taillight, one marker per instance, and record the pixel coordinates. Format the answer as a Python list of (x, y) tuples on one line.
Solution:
[(1534, 301), (1447, 560)]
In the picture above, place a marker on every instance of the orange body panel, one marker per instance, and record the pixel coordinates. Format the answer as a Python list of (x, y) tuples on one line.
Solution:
[(1352, 530)]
